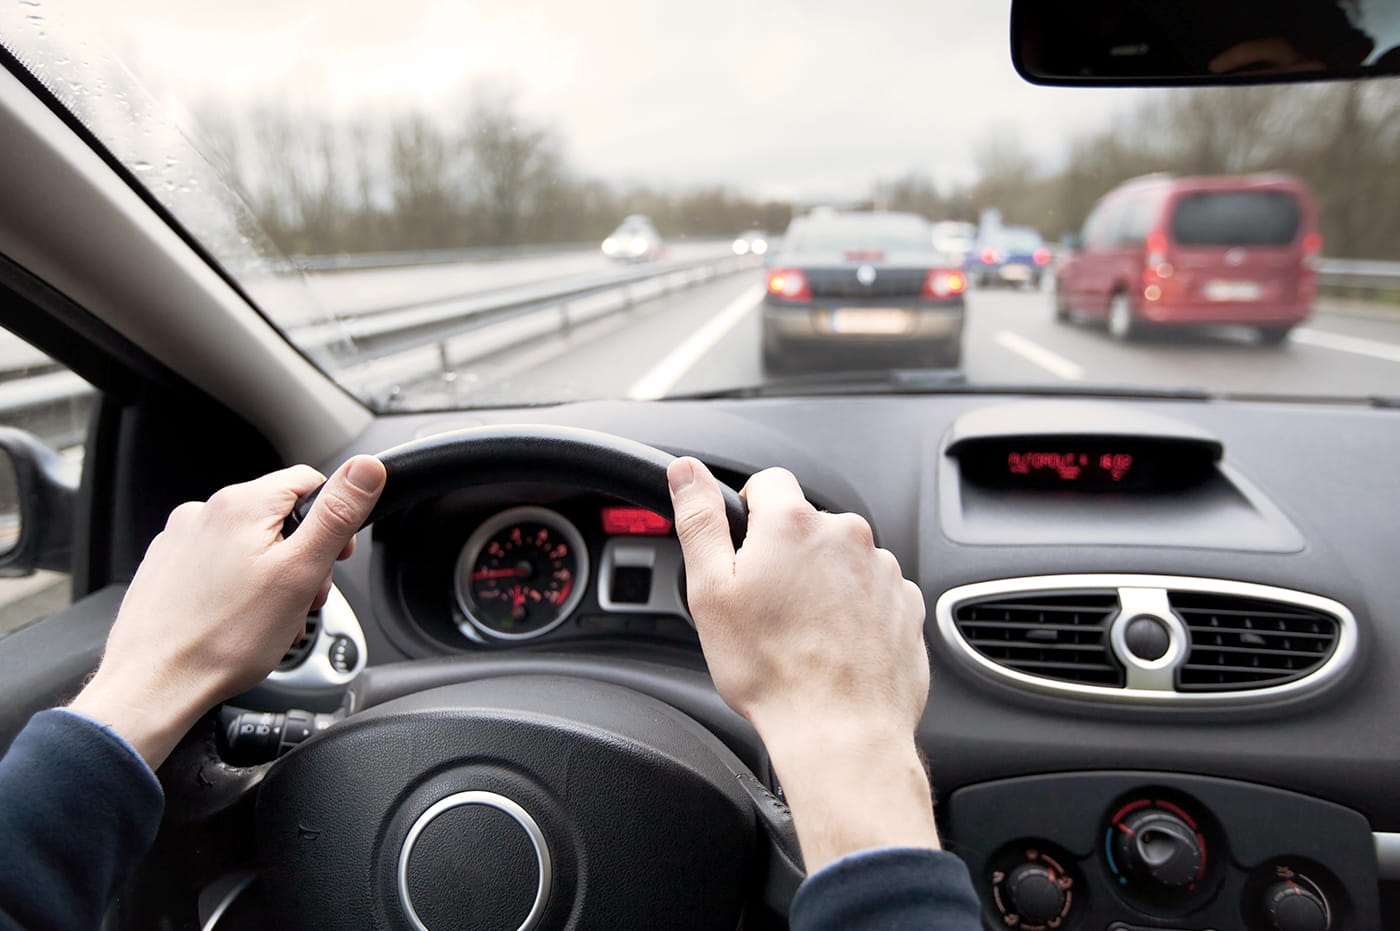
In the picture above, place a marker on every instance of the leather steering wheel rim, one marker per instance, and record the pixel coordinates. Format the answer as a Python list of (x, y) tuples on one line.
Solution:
[(596, 461)]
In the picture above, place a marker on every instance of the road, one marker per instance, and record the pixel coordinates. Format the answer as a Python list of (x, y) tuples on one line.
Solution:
[(708, 339)]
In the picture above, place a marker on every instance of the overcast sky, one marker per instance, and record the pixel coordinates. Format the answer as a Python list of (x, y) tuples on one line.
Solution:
[(812, 98)]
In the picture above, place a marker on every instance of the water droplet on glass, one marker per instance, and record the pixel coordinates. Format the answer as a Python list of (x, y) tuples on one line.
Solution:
[(168, 185)]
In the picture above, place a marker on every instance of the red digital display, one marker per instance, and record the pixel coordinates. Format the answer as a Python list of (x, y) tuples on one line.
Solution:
[(1071, 466), (634, 522)]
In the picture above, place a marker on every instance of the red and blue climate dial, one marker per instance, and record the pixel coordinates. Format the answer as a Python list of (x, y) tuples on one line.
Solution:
[(521, 574)]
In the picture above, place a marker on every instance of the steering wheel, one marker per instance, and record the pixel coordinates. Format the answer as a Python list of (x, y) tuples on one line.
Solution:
[(523, 800)]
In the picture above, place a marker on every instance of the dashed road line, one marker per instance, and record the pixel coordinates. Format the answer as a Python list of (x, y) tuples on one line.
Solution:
[(1353, 344), (664, 375), (1052, 362)]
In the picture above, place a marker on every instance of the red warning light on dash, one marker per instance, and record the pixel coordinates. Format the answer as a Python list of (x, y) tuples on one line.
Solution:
[(1071, 466), (634, 522)]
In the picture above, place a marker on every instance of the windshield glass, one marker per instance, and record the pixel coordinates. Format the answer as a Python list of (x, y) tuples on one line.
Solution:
[(454, 205)]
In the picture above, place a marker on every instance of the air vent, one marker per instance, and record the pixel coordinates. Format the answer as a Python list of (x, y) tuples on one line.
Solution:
[(302, 648), (1061, 636), (1248, 643)]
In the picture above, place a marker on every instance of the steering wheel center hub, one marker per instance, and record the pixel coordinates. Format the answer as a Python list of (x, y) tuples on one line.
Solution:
[(475, 860)]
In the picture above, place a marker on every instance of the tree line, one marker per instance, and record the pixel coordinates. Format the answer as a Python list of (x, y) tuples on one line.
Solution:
[(319, 186), (323, 186), (1343, 139)]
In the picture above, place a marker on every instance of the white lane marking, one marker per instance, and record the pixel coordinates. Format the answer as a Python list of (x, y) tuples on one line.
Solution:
[(664, 374), (1354, 344), (1053, 363)]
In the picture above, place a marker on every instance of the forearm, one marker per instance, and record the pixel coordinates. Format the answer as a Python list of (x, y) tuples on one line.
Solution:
[(853, 792), (147, 710)]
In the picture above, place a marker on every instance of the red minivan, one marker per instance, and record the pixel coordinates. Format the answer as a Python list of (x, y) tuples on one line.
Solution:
[(1169, 251)]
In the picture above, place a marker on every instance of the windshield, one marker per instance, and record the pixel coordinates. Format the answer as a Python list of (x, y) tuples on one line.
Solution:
[(454, 205)]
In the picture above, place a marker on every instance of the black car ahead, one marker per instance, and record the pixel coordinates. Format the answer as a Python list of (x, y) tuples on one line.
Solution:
[(862, 290)]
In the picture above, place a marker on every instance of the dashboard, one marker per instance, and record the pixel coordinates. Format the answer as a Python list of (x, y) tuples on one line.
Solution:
[(1161, 630)]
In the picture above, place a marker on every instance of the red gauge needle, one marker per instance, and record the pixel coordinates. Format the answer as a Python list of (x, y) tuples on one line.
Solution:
[(519, 598), (517, 572)]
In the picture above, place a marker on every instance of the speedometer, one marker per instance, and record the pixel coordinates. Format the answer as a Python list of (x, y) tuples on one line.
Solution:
[(521, 574)]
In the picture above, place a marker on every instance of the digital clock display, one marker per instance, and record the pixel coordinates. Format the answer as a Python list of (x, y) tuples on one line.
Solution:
[(1092, 464), (1071, 465)]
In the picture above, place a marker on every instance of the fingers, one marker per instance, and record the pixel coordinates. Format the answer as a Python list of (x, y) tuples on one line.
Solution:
[(701, 524), (340, 509), (773, 495), (322, 594)]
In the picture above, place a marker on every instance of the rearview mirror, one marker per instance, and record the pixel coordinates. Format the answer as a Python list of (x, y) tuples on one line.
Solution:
[(37, 490), (1144, 42)]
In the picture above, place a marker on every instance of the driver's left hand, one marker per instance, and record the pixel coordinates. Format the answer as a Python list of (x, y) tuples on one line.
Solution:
[(219, 597)]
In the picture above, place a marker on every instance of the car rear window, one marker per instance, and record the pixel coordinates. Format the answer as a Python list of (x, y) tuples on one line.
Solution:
[(1022, 240), (1236, 218), (862, 233)]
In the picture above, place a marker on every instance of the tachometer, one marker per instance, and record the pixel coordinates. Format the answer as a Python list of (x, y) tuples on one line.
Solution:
[(521, 574)]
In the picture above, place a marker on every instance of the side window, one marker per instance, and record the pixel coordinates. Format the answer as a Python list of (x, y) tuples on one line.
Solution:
[(1098, 231), (53, 406), (1135, 221)]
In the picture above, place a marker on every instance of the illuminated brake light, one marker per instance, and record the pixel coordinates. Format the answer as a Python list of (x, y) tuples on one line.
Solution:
[(989, 256), (789, 283), (1312, 249), (1041, 256), (942, 282), (1156, 248)]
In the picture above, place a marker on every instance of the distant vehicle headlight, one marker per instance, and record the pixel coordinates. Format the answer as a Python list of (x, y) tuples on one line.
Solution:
[(741, 247), (759, 247), (639, 245), (610, 246)]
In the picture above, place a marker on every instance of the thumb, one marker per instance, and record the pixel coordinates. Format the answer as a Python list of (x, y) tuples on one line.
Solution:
[(340, 509), (701, 524)]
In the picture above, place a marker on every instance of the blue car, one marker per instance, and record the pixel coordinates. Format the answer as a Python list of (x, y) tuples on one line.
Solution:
[(1011, 255)]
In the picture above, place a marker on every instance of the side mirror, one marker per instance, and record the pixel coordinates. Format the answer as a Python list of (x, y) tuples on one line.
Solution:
[(1071, 242), (37, 491)]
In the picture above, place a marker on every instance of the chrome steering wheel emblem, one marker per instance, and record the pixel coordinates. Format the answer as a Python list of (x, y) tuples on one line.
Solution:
[(866, 275)]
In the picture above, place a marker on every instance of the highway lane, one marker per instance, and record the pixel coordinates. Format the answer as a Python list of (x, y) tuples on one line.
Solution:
[(708, 339), (291, 299)]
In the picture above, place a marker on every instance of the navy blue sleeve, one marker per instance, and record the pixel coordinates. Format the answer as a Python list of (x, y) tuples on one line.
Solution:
[(78, 810), (895, 889)]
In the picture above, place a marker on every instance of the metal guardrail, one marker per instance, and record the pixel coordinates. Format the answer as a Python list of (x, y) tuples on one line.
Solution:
[(1362, 274), (366, 260)]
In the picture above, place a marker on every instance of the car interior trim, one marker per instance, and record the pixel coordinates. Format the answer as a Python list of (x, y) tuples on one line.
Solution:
[(660, 555), (318, 670), (61, 225), (543, 861), (1137, 602), (226, 902), (1387, 855)]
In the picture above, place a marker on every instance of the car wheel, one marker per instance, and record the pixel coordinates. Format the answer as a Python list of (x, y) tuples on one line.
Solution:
[(1063, 313), (1122, 325), (1273, 335)]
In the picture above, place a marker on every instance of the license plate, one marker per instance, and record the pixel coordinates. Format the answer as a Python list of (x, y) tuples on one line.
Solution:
[(870, 321), (1232, 290), (1016, 272)]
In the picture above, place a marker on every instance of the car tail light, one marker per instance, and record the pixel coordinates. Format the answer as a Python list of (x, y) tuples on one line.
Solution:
[(789, 283), (1156, 249), (1041, 256), (944, 282), (989, 256), (864, 255), (1312, 249)]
